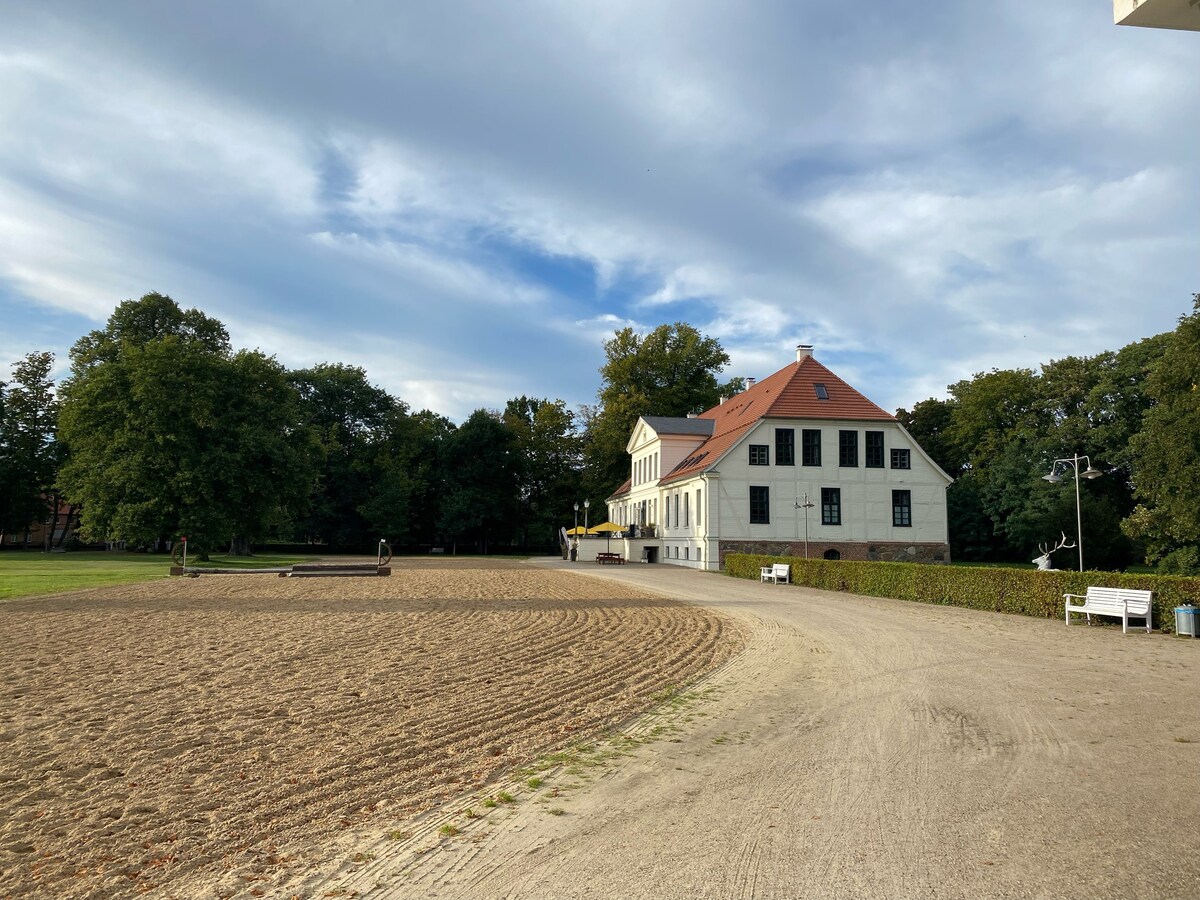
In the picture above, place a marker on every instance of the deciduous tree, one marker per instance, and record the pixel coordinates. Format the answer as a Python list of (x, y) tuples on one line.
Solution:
[(1166, 454), (672, 371), (482, 472), (170, 433), (350, 417), (551, 459), (29, 452)]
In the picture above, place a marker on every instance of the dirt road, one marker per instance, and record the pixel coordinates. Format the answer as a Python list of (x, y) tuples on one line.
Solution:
[(865, 748)]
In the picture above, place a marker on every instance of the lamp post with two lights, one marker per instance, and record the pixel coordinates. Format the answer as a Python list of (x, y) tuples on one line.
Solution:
[(1088, 473), (806, 506)]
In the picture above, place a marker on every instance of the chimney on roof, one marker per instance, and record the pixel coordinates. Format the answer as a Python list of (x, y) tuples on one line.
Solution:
[(803, 352), (750, 383)]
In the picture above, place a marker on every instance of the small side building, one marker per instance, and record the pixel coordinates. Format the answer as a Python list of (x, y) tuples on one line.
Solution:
[(736, 478)]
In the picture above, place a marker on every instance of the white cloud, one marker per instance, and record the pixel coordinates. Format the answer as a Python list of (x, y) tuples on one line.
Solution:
[(456, 277), (920, 197)]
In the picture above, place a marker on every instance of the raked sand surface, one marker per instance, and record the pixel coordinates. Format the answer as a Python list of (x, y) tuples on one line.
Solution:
[(857, 749), (219, 736)]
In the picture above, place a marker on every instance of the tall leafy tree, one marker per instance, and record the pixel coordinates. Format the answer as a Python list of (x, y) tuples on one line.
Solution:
[(672, 371), (407, 477), (929, 423), (29, 452), (482, 470), (272, 455), (351, 418), (1166, 454), (999, 432), (550, 452), (171, 433)]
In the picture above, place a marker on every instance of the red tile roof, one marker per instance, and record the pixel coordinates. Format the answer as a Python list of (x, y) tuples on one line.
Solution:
[(791, 393), (622, 490)]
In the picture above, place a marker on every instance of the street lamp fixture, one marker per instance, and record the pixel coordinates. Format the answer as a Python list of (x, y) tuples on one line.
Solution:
[(586, 505), (806, 506), (1088, 473), (576, 528)]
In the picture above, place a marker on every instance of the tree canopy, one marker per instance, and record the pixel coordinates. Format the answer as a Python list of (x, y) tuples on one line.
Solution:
[(170, 433), (1000, 432), (29, 451), (672, 371), (1165, 454), (162, 428)]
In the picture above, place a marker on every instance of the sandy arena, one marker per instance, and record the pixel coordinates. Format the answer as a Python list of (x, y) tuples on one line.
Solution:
[(207, 737)]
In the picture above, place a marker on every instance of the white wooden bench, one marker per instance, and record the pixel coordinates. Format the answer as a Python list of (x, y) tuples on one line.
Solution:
[(1123, 603), (778, 573)]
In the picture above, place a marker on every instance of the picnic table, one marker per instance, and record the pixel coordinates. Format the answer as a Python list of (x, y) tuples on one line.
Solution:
[(610, 559)]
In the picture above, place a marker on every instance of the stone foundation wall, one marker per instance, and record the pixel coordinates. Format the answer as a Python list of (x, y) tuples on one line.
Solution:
[(876, 551)]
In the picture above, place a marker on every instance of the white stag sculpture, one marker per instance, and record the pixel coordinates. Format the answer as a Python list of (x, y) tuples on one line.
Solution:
[(1043, 561)]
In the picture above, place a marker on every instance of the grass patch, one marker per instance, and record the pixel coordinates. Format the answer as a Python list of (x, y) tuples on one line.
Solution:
[(534, 783), (32, 574), (505, 797), (448, 830), (397, 835), (489, 803), (556, 811)]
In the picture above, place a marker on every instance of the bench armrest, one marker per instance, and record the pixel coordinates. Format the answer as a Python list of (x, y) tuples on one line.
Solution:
[(1076, 596)]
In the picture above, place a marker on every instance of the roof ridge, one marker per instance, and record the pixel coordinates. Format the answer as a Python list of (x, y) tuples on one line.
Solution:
[(789, 393)]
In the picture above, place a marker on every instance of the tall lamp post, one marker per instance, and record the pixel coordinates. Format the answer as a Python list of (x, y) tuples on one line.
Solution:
[(576, 528), (806, 506), (586, 505), (1088, 473)]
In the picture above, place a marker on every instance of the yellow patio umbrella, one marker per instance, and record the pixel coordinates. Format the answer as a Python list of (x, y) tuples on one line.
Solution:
[(605, 526), (577, 530), (607, 529)]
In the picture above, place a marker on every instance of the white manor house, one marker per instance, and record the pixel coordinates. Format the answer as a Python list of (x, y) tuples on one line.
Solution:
[(736, 478)]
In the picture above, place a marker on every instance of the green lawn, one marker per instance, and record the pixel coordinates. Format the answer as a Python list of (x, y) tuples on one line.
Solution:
[(28, 573)]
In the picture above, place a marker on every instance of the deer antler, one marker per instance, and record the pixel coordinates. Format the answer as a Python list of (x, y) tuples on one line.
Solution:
[(1063, 545)]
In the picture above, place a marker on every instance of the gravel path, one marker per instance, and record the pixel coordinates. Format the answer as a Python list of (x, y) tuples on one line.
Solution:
[(864, 748)]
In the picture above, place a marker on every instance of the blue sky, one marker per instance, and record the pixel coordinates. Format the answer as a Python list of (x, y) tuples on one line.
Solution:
[(466, 199)]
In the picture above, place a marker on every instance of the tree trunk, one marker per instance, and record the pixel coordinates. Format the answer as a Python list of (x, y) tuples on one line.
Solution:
[(239, 546), (66, 528)]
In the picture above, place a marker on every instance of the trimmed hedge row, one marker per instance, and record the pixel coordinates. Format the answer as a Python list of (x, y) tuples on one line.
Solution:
[(1026, 592)]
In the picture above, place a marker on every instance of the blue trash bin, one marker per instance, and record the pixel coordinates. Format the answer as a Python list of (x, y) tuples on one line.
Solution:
[(1185, 620)]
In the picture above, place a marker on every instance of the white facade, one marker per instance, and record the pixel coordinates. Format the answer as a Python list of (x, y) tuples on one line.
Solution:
[(883, 498)]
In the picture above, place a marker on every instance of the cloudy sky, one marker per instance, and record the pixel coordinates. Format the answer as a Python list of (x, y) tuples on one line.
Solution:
[(466, 199)]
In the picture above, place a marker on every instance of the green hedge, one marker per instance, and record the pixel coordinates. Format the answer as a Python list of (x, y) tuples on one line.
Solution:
[(1026, 592)]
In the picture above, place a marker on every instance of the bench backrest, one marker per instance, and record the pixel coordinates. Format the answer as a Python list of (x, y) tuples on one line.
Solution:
[(1118, 599), (781, 570)]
